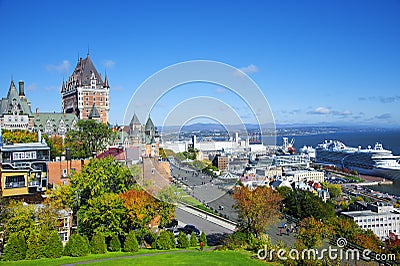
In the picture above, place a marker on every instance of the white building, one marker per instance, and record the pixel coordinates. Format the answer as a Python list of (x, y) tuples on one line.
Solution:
[(303, 175), (381, 218)]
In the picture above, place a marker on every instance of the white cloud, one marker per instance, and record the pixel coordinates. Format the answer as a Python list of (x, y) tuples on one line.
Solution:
[(250, 69), (62, 68), (109, 63), (320, 111)]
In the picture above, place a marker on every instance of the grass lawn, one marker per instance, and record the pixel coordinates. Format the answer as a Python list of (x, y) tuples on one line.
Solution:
[(155, 257)]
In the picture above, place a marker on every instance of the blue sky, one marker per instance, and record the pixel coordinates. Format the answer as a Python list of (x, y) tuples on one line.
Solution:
[(315, 61)]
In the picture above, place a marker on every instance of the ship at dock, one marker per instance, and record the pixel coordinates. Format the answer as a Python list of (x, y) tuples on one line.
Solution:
[(374, 161)]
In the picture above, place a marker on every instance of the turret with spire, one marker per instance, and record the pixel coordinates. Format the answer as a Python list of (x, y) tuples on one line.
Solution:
[(84, 88)]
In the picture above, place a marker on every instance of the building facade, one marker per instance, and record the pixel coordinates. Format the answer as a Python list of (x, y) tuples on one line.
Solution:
[(61, 170), (15, 109), (221, 162), (304, 175), (16, 114), (381, 218), (143, 135), (24, 168), (53, 124), (85, 89)]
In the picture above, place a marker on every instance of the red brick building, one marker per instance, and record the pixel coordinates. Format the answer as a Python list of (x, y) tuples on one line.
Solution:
[(60, 171)]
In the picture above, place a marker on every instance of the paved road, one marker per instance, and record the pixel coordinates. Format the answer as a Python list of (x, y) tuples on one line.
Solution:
[(212, 195), (204, 188), (214, 232)]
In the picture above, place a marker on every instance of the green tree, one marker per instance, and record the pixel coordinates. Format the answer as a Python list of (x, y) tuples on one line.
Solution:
[(193, 240), (302, 204), (34, 246), (18, 218), (101, 176), (335, 190), (183, 241), (15, 248), (131, 243), (164, 241), (47, 215), (77, 246), (90, 137), (115, 244), (63, 196), (343, 227), (311, 232), (103, 214), (54, 247), (18, 136), (284, 191), (98, 244), (56, 146), (203, 238)]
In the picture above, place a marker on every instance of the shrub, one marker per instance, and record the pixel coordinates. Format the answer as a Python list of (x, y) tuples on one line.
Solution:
[(165, 240), (15, 248), (203, 238), (131, 244), (238, 240), (183, 241), (193, 240), (115, 244), (33, 246), (77, 246), (145, 236), (97, 244), (54, 247)]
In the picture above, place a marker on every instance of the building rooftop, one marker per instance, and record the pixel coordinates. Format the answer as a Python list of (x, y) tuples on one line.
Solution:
[(24, 146)]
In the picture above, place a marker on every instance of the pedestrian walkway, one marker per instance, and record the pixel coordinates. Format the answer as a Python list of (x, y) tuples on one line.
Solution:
[(273, 233)]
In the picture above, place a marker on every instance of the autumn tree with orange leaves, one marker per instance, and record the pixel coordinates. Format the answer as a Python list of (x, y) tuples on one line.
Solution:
[(140, 207), (257, 208)]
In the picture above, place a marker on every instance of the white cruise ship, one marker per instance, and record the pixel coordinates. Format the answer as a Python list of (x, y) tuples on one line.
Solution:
[(375, 161)]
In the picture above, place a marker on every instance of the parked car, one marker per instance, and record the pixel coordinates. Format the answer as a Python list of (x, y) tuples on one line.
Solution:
[(189, 228), (172, 224), (174, 230)]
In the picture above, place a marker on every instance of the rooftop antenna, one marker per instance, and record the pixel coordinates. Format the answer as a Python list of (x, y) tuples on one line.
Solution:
[(88, 50)]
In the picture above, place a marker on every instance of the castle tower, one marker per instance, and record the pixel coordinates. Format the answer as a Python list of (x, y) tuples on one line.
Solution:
[(84, 89)]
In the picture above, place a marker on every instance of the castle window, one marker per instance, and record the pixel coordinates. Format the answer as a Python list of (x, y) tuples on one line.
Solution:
[(94, 99), (87, 103), (101, 99), (87, 99)]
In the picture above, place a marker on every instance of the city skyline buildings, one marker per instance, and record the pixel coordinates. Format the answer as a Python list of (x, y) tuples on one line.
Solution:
[(316, 62)]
